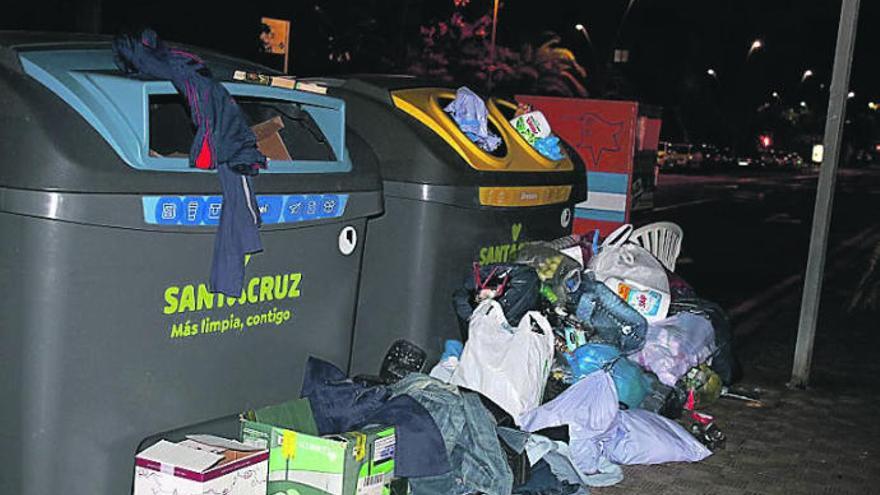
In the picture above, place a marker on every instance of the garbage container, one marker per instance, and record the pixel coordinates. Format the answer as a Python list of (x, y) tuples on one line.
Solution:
[(108, 334), (447, 204)]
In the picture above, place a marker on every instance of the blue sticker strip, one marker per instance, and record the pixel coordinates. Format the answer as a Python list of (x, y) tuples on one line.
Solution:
[(193, 211)]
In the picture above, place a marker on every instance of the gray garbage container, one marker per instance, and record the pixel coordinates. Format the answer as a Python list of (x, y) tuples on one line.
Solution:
[(108, 334), (448, 204)]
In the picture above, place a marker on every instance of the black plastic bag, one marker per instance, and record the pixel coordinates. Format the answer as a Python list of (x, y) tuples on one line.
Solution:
[(516, 288), (664, 400)]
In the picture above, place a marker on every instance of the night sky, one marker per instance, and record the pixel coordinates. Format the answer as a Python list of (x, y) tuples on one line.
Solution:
[(672, 43)]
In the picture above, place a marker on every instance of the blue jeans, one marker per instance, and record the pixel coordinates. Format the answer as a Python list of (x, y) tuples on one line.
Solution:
[(469, 433)]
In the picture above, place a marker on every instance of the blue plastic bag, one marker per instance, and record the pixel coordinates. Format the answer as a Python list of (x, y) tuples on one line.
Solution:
[(631, 383), (549, 147), (469, 112)]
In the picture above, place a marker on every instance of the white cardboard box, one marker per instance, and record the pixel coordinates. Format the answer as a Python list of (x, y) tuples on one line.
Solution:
[(201, 467)]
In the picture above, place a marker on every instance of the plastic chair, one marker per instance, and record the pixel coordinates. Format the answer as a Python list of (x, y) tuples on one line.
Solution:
[(662, 239)]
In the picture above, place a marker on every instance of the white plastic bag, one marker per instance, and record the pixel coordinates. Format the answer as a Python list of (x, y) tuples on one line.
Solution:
[(643, 437), (633, 273), (507, 364)]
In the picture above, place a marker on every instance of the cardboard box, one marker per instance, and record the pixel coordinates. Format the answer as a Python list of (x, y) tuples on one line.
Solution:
[(354, 463), (286, 82), (269, 140), (201, 466)]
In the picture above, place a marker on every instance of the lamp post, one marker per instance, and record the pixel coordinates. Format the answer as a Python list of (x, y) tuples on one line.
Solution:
[(492, 45)]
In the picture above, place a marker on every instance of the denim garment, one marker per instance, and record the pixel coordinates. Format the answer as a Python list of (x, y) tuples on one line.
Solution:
[(614, 321), (340, 405), (544, 482), (470, 436)]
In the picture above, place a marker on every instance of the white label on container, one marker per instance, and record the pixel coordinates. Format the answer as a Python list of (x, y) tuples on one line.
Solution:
[(383, 448), (371, 485)]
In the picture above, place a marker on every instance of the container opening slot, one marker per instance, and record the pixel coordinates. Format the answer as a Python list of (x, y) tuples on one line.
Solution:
[(294, 134), (501, 150)]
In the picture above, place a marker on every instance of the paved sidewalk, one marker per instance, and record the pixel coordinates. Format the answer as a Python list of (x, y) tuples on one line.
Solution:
[(825, 440)]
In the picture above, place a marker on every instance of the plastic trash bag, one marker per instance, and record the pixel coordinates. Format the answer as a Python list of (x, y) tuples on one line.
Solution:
[(515, 287), (675, 345), (590, 405), (629, 381), (664, 400), (703, 387), (549, 147), (633, 273), (612, 319), (601, 433), (508, 364), (559, 271), (643, 437), (724, 360), (469, 112)]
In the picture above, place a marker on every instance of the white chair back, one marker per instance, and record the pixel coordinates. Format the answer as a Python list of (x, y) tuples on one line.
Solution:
[(662, 239)]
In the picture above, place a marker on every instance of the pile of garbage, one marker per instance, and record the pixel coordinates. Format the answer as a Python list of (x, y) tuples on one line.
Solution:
[(577, 357), (601, 340)]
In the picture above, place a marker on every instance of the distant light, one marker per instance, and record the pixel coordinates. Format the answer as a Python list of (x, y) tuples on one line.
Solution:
[(851, 94), (765, 140), (872, 105), (579, 27), (804, 104), (775, 94), (712, 72), (877, 148), (818, 153)]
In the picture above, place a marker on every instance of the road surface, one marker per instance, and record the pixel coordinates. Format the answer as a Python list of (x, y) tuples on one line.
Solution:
[(746, 236)]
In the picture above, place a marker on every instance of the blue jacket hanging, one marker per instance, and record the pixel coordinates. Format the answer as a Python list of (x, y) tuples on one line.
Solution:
[(223, 141)]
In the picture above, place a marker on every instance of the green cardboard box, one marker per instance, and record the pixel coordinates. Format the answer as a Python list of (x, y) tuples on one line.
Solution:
[(354, 463)]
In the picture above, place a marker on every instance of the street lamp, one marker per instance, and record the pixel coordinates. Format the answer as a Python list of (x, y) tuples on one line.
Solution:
[(851, 94), (757, 44), (712, 73), (580, 27), (807, 73), (872, 105), (775, 94), (803, 104)]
